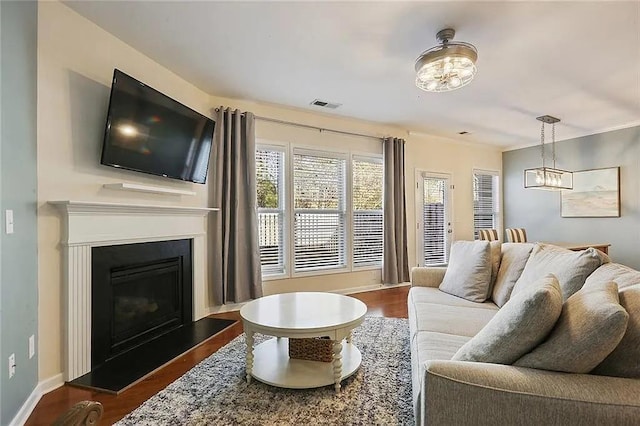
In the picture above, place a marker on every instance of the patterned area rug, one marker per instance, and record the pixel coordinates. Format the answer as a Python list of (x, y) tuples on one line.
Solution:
[(215, 391)]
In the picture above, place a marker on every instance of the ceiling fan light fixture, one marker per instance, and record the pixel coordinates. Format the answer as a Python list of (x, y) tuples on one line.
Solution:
[(447, 66)]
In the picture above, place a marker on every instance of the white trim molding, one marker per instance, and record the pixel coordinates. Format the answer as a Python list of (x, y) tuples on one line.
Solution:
[(95, 224), (29, 405)]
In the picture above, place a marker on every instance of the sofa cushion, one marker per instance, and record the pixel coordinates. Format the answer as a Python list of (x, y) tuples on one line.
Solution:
[(458, 320), (571, 268), (434, 295), (590, 326), (519, 326), (429, 346), (514, 257), (624, 361), (622, 275), (469, 271)]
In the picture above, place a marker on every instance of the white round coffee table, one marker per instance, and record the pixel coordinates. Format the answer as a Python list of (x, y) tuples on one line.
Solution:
[(302, 315)]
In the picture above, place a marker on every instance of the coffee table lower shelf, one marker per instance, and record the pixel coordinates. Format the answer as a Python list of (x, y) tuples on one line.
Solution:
[(272, 365)]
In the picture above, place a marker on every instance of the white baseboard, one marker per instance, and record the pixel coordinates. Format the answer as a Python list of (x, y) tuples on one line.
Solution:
[(225, 308), (52, 383), (353, 290), (373, 287), (41, 388)]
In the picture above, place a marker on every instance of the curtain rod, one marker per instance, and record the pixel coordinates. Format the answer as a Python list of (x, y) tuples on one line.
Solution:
[(308, 126)]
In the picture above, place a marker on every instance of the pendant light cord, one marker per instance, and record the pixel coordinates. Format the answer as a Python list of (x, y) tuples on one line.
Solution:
[(553, 143), (542, 143)]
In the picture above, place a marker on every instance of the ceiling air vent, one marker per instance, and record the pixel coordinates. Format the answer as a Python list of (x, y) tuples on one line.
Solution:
[(325, 104), (464, 132)]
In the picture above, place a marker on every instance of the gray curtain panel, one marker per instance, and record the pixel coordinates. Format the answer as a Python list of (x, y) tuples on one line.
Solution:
[(235, 273), (395, 265)]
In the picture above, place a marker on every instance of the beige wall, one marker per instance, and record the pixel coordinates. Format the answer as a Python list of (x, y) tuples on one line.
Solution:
[(75, 65), (76, 59), (436, 155)]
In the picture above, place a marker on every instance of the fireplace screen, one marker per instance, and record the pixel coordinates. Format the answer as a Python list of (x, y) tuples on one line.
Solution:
[(145, 299), (140, 291)]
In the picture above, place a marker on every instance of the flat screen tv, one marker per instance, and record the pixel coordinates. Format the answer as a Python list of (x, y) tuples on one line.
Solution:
[(149, 132)]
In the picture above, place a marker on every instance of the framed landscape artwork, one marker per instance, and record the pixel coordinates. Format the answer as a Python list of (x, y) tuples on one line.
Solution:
[(596, 193)]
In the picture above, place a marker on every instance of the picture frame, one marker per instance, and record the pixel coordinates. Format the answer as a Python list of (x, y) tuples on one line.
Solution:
[(596, 193)]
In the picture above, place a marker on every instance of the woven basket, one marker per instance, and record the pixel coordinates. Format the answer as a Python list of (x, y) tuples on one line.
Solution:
[(315, 349)]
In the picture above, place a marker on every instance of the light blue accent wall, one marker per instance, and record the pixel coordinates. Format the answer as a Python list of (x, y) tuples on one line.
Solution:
[(18, 251), (539, 211)]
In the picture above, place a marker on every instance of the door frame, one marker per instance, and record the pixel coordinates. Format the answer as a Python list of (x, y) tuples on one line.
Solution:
[(420, 174)]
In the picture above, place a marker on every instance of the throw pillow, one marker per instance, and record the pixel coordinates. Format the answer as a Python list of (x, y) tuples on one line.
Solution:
[(519, 326), (469, 271), (496, 255), (590, 326), (624, 361), (514, 258), (570, 267)]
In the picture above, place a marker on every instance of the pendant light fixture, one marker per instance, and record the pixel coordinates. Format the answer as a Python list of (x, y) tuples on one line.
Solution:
[(549, 178), (447, 66)]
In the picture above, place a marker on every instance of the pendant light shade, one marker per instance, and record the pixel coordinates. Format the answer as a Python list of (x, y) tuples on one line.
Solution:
[(447, 66), (548, 178)]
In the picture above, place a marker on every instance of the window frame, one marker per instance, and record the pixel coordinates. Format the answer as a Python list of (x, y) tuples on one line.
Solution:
[(289, 148), (496, 200), (374, 158), (420, 175), (340, 155), (267, 145)]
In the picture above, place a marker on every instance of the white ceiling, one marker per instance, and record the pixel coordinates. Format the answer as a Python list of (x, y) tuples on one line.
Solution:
[(579, 61)]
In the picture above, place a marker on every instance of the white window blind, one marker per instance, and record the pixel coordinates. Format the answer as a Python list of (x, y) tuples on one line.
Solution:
[(367, 186), (319, 232), (485, 201), (269, 189), (434, 226)]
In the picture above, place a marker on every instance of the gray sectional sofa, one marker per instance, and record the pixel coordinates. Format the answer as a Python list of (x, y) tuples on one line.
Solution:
[(447, 392)]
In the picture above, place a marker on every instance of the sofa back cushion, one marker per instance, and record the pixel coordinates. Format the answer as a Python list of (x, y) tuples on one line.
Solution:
[(622, 275), (495, 247), (514, 257), (590, 326), (570, 267), (624, 361), (469, 271), (519, 326)]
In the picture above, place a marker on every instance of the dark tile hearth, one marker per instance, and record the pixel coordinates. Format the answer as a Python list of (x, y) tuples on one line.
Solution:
[(117, 374)]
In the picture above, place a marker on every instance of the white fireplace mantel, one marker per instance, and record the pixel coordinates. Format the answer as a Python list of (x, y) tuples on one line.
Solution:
[(93, 224)]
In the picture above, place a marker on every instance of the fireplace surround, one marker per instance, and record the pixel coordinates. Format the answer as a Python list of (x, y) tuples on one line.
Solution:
[(139, 292), (97, 224)]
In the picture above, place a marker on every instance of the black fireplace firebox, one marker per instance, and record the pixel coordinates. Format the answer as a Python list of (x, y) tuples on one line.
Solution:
[(139, 292)]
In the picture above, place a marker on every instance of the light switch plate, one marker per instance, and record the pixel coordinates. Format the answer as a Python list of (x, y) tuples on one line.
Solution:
[(32, 346), (9, 221)]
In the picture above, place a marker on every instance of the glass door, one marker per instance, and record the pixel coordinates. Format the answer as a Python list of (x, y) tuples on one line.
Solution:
[(433, 213)]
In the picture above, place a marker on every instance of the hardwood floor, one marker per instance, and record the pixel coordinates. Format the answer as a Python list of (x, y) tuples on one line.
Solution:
[(388, 303)]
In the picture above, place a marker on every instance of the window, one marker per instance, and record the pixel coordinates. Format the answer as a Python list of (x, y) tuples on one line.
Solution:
[(367, 184), (434, 223), (319, 202), (485, 201), (318, 211), (269, 191)]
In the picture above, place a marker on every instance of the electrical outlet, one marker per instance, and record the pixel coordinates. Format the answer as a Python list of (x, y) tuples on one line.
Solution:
[(32, 346), (12, 365)]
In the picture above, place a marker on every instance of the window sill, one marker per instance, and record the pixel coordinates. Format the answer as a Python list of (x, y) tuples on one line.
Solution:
[(307, 274), (367, 268)]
